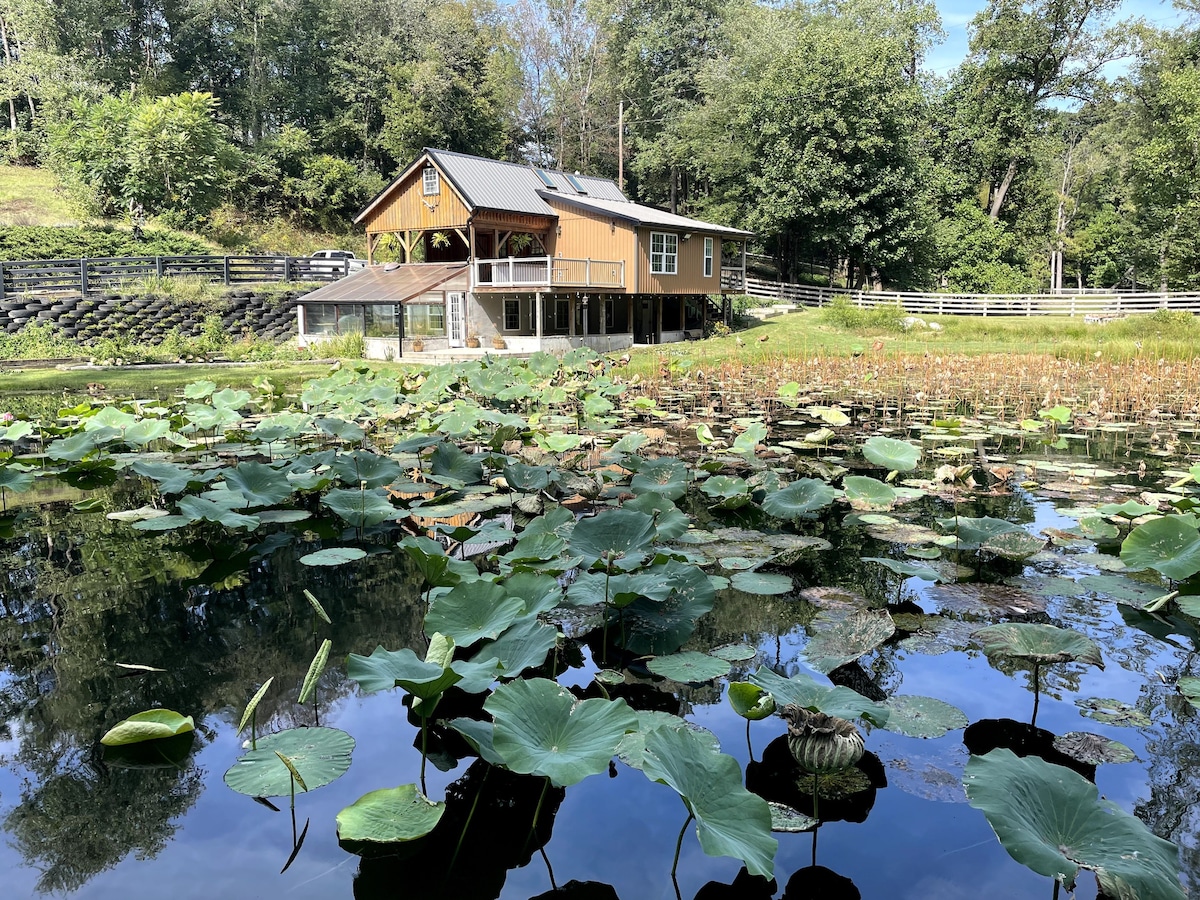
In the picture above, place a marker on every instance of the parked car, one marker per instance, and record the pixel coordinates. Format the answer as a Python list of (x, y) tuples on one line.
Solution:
[(332, 262)]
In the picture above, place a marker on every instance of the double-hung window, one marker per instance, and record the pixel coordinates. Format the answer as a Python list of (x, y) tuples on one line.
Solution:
[(430, 181), (708, 257), (512, 315), (664, 253)]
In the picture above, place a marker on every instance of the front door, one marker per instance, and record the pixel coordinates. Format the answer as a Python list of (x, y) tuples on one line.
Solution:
[(456, 314), (645, 320)]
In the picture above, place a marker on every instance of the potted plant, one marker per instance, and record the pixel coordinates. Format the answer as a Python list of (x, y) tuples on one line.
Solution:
[(498, 342), (473, 341), (418, 345)]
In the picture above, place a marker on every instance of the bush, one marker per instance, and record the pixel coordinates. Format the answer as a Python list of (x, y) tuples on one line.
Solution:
[(50, 242), (843, 314)]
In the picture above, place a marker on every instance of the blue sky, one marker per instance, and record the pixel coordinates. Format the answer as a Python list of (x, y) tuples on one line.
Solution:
[(956, 14)]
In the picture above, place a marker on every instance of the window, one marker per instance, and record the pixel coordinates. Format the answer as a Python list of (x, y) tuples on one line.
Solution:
[(512, 315), (424, 320), (430, 181), (575, 183), (708, 257), (546, 180), (380, 320), (664, 253)]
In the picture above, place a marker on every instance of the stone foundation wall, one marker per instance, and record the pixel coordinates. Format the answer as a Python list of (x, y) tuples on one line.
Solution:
[(147, 319)]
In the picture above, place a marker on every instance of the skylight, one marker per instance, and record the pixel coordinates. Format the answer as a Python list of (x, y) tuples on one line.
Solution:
[(575, 183), (546, 179)]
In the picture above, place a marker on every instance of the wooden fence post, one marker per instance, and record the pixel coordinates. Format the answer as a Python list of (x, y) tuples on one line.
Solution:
[(287, 268), (225, 273), (83, 277), (1, 281), (158, 266)]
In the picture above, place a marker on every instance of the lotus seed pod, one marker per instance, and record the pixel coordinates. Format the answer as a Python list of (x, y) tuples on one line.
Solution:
[(821, 744)]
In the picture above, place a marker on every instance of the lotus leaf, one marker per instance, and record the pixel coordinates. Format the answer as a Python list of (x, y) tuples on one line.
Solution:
[(360, 508), (621, 536), (201, 509), (632, 749), (730, 821), (1170, 545), (340, 428), (894, 455), (473, 612), (1130, 509), (762, 583), (386, 669), (802, 497), (868, 493), (16, 431), (841, 639), (689, 667), (1112, 712), (727, 492), (479, 735), (1052, 820), (540, 728), (750, 701), (659, 627), (1092, 749), (621, 589), (1041, 644), (667, 477), (387, 816), (319, 755), (198, 390), (523, 645), (521, 477), (431, 560), (15, 480), (669, 521), (448, 459), (147, 431), (747, 442), (970, 533), (540, 593), (833, 700), (173, 479), (362, 466), (922, 717), (229, 398), (151, 725), (906, 569), (786, 820)]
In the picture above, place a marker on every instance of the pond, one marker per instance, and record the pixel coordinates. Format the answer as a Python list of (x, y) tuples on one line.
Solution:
[(709, 569)]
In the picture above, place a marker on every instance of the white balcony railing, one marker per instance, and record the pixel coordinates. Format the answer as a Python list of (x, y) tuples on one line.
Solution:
[(549, 271)]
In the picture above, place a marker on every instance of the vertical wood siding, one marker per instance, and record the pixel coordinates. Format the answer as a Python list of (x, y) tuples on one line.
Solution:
[(403, 210), (690, 273)]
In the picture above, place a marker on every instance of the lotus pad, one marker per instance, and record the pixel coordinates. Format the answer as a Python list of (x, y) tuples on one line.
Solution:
[(320, 755)]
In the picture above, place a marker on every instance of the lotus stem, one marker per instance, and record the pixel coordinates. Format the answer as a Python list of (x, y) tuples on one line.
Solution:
[(816, 815), (679, 844), (1057, 884), (537, 810), (549, 868), (749, 748), (424, 733), (814, 852), (1036, 695), (467, 824), (292, 785)]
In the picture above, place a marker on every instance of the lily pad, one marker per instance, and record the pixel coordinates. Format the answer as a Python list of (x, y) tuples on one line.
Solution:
[(1112, 712), (387, 816), (906, 569), (473, 612), (1170, 545), (1189, 686), (894, 455), (1052, 820), (802, 497), (540, 728), (151, 725), (833, 700), (762, 583), (386, 669), (333, 556), (689, 667), (868, 493), (1041, 644), (1093, 749), (319, 755), (785, 820), (621, 536), (923, 717)]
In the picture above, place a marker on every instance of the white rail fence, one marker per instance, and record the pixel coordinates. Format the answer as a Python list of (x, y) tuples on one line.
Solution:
[(1080, 303)]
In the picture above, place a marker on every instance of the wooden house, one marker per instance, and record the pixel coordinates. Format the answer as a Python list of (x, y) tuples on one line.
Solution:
[(533, 258)]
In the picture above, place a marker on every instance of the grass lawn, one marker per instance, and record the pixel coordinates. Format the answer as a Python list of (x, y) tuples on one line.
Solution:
[(30, 196)]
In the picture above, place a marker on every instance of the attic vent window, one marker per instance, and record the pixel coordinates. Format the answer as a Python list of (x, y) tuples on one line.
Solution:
[(430, 181), (575, 183), (546, 180)]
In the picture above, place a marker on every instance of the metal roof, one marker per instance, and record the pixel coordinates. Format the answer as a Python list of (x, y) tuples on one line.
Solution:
[(644, 215), (389, 283), (492, 184)]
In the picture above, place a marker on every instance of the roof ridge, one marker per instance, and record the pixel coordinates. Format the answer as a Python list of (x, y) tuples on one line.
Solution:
[(525, 166)]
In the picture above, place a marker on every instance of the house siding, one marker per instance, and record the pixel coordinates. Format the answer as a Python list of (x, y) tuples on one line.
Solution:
[(403, 209), (589, 235), (690, 271)]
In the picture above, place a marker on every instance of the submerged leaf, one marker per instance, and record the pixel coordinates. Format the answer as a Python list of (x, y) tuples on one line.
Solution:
[(842, 639)]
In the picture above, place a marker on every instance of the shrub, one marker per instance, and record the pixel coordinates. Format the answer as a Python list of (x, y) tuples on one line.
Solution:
[(50, 242)]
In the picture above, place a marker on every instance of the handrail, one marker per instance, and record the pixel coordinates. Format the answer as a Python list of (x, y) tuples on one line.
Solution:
[(547, 271)]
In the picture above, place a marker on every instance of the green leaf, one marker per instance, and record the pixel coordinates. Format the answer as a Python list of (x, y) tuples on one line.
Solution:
[(1042, 644), (521, 477), (387, 816), (541, 729), (1130, 509), (315, 668), (16, 481), (802, 497), (524, 645), (318, 755), (893, 455), (360, 466), (1189, 686), (622, 536), (253, 704), (147, 431), (1060, 414), (1170, 545), (832, 700), (479, 736), (198, 390), (689, 667), (786, 820), (260, 484), (173, 479), (151, 725), (971, 533), (333, 556), (906, 569), (658, 627), (473, 612), (665, 476), (762, 583), (1015, 545), (201, 509), (1052, 820), (317, 607), (922, 717), (730, 821), (386, 669), (868, 493), (361, 509), (447, 459), (844, 638), (750, 701)]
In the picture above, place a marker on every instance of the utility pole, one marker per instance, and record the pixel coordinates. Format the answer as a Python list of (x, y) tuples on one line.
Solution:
[(621, 145)]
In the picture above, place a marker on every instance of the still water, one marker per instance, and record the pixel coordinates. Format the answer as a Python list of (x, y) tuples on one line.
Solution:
[(222, 613)]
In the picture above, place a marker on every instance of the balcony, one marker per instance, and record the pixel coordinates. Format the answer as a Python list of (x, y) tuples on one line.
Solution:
[(549, 271)]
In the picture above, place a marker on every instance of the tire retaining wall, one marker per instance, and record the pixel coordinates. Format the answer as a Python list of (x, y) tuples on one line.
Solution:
[(148, 318)]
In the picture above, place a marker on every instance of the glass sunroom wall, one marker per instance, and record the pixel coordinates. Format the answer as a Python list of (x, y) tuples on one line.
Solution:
[(320, 318), (380, 320)]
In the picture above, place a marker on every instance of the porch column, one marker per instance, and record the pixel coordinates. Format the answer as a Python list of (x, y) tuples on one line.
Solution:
[(574, 301), (603, 314), (537, 318), (629, 316)]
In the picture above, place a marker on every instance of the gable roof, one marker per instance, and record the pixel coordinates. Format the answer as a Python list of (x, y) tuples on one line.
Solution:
[(644, 215), (514, 187)]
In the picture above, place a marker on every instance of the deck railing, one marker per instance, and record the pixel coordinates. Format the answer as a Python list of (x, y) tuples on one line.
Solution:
[(549, 271), (1067, 303), (88, 275)]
